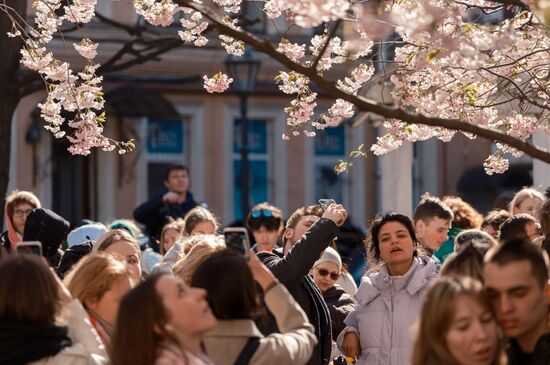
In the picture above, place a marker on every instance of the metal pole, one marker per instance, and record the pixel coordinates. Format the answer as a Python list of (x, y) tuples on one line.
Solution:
[(245, 166)]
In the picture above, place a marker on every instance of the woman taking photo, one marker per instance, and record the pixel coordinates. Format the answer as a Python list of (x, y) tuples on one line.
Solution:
[(390, 295), (234, 301), (161, 322), (457, 326), (32, 302), (99, 281)]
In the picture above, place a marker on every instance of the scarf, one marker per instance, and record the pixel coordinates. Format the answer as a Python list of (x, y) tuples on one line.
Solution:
[(13, 236), (22, 344), (104, 330)]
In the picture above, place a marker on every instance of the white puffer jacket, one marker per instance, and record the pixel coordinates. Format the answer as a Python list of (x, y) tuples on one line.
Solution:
[(387, 308)]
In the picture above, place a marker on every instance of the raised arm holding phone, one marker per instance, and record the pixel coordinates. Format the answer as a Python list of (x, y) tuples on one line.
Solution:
[(309, 231)]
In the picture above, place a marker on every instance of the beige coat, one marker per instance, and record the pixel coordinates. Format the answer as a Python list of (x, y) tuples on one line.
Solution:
[(86, 349), (293, 345)]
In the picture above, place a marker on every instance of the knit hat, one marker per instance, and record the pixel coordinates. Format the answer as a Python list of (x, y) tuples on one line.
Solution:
[(88, 232), (330, 255)]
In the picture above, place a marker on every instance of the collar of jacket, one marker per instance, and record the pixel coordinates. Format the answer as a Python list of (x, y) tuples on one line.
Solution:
[(374, 283), (235, 328)]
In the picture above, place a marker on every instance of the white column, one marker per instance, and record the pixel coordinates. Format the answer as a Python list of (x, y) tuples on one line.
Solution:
[(396, 180), (541, 170)]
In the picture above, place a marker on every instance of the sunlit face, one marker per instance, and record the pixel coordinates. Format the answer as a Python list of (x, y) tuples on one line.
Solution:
[(533, 231), (107, 306), (292, 235), (433, 232), (188, 310), (169, 238), (528, 205), (20, 214), (325, 275), (473, 336), (265, 239), (131, 254), (395, 243), (489, 229), (519, 301), (178, 181), (204, 228)]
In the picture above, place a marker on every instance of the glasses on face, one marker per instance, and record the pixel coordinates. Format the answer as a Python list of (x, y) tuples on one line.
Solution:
[(257, 213), (21, 213), (333, 275)]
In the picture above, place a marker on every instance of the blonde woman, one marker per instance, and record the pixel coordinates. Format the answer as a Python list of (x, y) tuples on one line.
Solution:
[(120, 242), (99, 281), (201, 247), (527, 200), (457, 326)]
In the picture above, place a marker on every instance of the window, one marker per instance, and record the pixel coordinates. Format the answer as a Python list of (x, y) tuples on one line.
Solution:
[(258, 164), (329, 148), (166, 145)]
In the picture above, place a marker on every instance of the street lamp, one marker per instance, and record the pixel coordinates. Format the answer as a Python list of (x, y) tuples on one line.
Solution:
[(244, 71)]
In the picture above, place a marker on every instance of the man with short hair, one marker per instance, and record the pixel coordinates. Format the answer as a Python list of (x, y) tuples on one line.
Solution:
[(308, 232), (516, 282), (175, 202), (432, 221), (265, 221)]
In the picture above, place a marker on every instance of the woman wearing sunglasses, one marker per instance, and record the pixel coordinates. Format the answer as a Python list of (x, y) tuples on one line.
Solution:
[(326, 272)]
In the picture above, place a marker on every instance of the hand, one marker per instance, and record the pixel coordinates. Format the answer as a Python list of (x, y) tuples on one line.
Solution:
[(336, 213), (261, 274), (64, 294), (171, 197), (351, 345)]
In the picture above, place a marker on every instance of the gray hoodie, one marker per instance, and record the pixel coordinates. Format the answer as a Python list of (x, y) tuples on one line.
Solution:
[(387, 308)]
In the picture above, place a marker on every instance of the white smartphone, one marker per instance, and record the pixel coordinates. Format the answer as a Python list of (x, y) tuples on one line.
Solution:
[(324, 203), (29, 247), (236, 238)]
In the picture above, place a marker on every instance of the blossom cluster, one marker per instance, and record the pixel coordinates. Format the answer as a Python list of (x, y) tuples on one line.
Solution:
[(218, 83)]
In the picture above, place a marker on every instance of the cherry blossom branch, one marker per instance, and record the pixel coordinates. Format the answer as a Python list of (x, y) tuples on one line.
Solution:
[(364, 104), (327, 42)]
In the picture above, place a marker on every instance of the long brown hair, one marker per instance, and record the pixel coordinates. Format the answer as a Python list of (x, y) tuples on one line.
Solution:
[(28, 291), (436, 317), (141, 323)]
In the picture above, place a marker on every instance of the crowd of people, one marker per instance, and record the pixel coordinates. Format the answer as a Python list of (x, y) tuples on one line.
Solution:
[(447, 286)]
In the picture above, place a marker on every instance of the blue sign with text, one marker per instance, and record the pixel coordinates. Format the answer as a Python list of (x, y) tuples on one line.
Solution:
[(165, 136)]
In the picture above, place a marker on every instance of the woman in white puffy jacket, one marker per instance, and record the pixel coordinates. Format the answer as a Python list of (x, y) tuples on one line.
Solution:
[(390, 295), (40, 323)]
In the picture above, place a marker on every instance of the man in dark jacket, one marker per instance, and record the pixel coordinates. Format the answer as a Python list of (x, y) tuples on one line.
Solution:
[(308, 233), (175, 202), (516, 282)]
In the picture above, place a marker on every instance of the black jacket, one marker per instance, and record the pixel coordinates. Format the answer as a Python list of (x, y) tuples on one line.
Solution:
[(340, 304), (292, 270), (154, 213), (540, 356), (5, 242)]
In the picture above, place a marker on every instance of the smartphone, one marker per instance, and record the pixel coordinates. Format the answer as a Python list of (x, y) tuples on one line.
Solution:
[(324, 203), (236, 238), (29, 247)]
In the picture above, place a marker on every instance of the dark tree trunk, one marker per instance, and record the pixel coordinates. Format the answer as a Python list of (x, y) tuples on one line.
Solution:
[(9, 92)]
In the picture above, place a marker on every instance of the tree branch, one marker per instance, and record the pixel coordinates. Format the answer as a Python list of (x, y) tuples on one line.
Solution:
[(364, 104), (327, 43)]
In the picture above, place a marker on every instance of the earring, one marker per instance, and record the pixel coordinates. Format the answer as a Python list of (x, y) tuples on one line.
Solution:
[(169, 328)]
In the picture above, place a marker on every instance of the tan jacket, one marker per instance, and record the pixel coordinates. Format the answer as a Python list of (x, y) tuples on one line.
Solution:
[(86, 349), (293, 345)]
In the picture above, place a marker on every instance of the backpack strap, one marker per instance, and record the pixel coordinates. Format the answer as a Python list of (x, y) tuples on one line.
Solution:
[(248, 351)]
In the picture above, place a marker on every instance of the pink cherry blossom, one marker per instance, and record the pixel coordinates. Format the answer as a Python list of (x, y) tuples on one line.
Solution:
[(217, 84)]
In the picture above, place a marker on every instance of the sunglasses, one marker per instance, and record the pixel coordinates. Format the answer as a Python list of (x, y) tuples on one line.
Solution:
[(261, 212), (333, 275)]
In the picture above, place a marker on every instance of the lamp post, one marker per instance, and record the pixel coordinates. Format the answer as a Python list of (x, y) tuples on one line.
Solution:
[(244, 71)]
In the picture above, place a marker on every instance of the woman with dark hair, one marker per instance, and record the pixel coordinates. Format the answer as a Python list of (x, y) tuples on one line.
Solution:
[(457, 326), (162, 321), (234, 301), (32, 301), (390, 295)]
